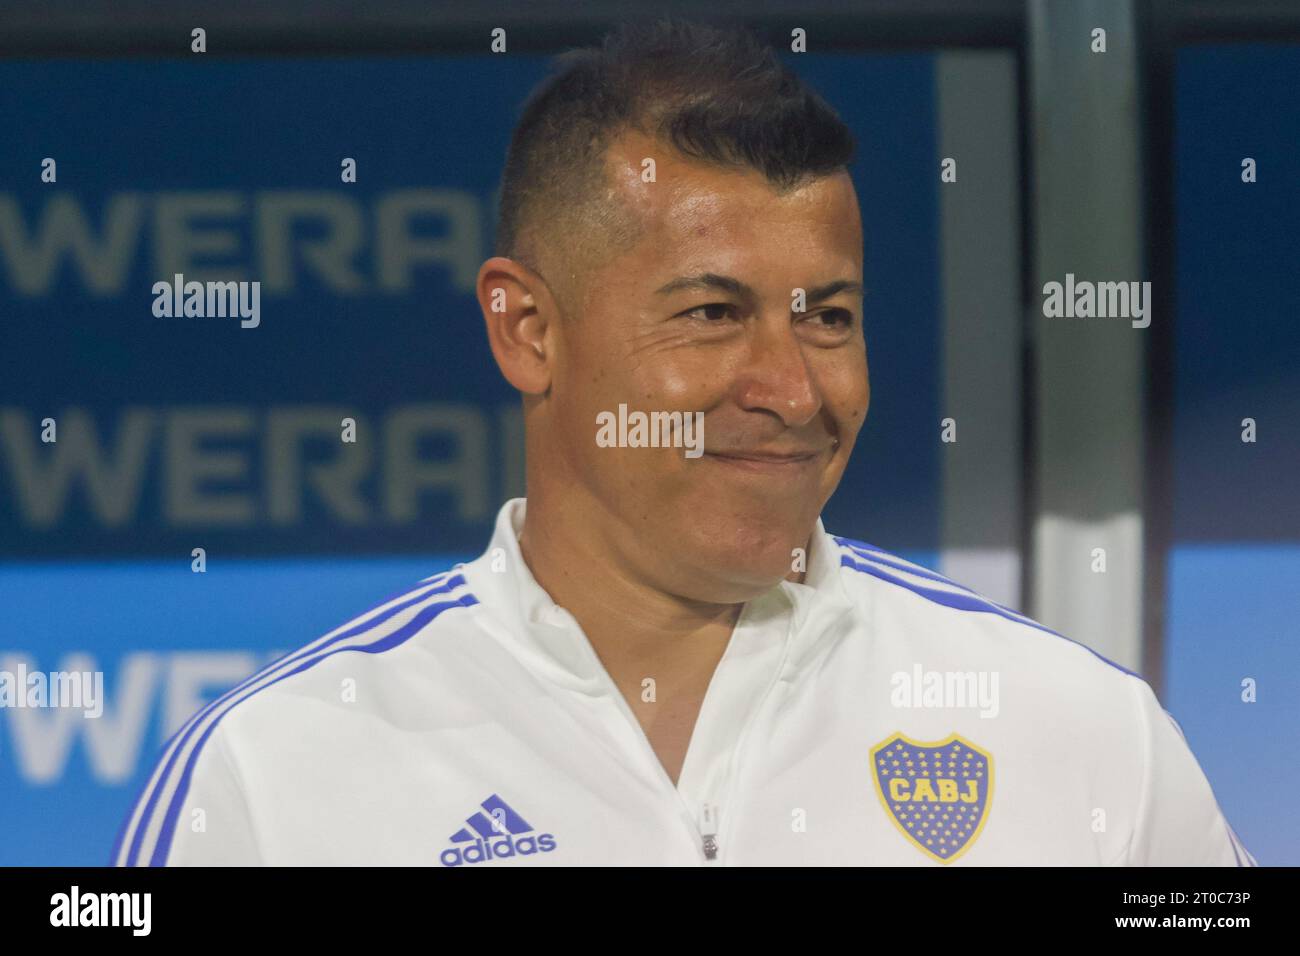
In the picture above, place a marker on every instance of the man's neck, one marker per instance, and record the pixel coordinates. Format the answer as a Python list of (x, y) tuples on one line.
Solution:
[(624, 618)]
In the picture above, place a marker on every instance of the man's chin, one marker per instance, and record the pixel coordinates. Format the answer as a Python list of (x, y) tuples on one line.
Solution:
[(725, 592), (732, 576)]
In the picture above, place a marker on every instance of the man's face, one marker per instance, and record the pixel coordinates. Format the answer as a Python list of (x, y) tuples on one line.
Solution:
[(699, 316)]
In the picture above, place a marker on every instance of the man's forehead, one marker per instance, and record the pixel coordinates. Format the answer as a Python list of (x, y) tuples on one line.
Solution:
[(689, 199)]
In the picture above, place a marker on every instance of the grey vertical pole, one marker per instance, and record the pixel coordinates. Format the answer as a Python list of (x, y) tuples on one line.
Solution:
[(1088, 372), (982, 331)]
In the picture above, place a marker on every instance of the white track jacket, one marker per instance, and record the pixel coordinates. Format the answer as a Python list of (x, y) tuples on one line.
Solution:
[(877, 714)]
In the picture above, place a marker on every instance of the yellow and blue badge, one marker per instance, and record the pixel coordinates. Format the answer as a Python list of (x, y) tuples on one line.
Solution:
[(936, 793)]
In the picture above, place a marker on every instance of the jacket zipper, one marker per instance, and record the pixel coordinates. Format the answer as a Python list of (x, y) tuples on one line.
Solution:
[(709, 830), (707, 824)]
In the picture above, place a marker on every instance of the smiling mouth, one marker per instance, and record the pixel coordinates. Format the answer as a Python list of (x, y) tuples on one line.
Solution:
[(765, 463)]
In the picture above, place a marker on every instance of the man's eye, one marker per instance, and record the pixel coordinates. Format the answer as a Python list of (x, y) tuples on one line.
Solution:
[(713, 311), (832, 318)]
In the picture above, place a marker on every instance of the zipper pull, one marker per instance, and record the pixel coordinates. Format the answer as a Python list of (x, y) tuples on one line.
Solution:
[(709, 830)]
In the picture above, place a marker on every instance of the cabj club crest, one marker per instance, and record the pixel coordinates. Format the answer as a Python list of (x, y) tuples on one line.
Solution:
[(936, 793)]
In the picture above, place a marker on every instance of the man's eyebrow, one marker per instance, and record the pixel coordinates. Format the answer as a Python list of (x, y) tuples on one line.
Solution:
[(711, 280), (820, 292), (706, 280)]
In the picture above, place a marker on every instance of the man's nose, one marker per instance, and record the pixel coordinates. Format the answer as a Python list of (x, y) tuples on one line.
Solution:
[(776, 377)]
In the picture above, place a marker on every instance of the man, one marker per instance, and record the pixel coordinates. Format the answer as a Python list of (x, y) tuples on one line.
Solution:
[(662, 657)]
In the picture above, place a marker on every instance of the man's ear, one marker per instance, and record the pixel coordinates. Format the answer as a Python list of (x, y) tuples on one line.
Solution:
[(518, 309)]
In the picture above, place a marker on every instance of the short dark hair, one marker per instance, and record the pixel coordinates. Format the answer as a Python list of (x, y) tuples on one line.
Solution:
[(716, 94)]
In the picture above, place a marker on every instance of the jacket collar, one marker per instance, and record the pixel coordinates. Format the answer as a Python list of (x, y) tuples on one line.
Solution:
[(810, 612)]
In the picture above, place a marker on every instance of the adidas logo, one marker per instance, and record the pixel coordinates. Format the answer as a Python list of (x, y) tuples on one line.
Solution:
[(494, 833)]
